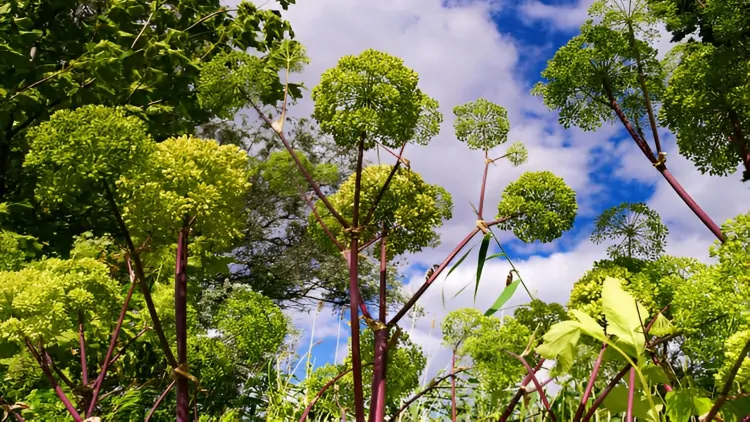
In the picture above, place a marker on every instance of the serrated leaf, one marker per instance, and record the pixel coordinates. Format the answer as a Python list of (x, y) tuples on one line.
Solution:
[(684, 403), (481, 260), (560, 344), (589, 325), (504, 297)]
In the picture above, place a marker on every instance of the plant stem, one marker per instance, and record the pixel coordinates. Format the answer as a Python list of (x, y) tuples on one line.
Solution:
[(644, 88), (433, 385), (600, 398), (159, 400), (141, 277), (517, 397), (484, 185), (454, 412), (304, 171), (590, 385), (180, 309), (41, 360), (112, 344), (384, 188), (129, 342), (327, 385), (697, 210), (423, 288), (728, 383), (359, 411), (631, 395), (379, 382), (532, 374), (82, 343)]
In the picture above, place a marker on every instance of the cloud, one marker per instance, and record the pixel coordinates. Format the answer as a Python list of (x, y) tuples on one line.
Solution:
[(561, 17), (461, 54)]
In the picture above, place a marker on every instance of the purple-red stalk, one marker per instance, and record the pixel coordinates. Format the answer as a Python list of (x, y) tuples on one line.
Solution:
[(159, 400), (484, 184), (354, 295), (423, 288), (320, 221), (454, 411), (112, 343), (600, 398), (180, 313), (141, 277), (699, 212), (590, 385), (517, 397), (320, 393), (129, 342), (537, 384), (433, 385), (631, 396), (42, 361), (379, 381), (724, 395), (345, 224)]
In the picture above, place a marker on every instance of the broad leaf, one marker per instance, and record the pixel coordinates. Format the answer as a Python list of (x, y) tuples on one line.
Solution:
[(624, 315), (560, 344), (684, 403)]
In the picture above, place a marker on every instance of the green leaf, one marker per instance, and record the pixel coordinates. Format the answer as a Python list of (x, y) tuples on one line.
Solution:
[(496, 255), (560, 344), (481, 260), (506, 294), (684, 403), (589, 325), (458, 263), (624, 315)]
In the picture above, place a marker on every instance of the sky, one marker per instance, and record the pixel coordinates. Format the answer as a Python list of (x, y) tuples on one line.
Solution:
[(496, 49)]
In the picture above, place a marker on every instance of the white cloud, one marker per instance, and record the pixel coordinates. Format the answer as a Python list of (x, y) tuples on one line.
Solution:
[(460, 55)]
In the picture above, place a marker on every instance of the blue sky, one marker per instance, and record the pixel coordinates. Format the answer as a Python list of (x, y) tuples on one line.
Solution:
[(464, 49)]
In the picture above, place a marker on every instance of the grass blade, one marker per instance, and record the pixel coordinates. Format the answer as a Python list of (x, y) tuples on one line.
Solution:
[(504, 297), (480, 263)]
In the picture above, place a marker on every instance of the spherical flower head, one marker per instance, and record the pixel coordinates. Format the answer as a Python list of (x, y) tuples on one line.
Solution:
[(76, 151), (481, 124), (410, 208), (374, 98), (517, 153), (539, 206)]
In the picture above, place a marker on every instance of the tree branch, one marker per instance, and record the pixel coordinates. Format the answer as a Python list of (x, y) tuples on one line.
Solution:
[(517, 397), (728, 383), (41, 360), (538, 386), (433, 386)]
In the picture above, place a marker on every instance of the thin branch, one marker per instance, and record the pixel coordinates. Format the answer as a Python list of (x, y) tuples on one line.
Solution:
[(55, 386), (484, 184), (131, 341), (345, 224), (600, 398), (320, 393), (454, 413), (82, 345), (209, 16), (644, 88), (159, 400), (538, 385), (590, 385), (433, 386), (384, 188), (521, 390), (723, 396)]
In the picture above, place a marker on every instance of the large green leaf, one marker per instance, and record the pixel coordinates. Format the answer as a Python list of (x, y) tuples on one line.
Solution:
[(560, 344), (624, 316), (684, 403)]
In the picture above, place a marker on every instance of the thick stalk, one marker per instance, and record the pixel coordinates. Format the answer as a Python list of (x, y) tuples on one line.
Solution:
[(600, 398), (697, 210), (112, 344), (631, 396), (359, 411), (141, 277), (517, 397), (454, 411), (537, 384), (590, 385), (180, 312), (484, 185), (42, 361), (377, 405), (423, 288)]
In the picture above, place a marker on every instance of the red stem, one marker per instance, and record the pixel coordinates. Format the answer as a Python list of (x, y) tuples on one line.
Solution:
[(141, 277), (180, 309), (131, 341), (354, 294), (631, 396), (454, 412), (600, 398), (423, 288), (379, 382), (375, 203), (320, 393), (112, 344), (60, 393), (590, 385), (532, 374), (304, 171), (517, 397), (697, 210), (433, 385), (159, 400), (484, 184), (318, 217), (723, 397)]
